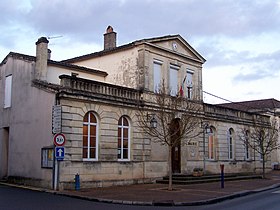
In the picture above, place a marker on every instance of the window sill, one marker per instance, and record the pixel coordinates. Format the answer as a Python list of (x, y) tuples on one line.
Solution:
[(90, 160)]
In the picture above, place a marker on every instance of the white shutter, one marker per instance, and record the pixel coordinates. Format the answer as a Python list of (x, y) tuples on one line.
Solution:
[(8, 92)]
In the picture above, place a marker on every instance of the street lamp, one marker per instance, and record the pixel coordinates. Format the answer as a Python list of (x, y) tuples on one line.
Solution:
[(206, 130), (153, 121)]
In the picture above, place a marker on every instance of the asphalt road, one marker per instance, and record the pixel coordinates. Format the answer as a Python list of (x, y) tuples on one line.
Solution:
[(12, 198), (268, 200)]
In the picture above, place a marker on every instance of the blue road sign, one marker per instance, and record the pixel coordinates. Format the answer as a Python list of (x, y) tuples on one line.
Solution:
[(59, 153)]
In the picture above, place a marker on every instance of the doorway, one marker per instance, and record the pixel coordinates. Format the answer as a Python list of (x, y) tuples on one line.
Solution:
[(176, 150), (4, 152)]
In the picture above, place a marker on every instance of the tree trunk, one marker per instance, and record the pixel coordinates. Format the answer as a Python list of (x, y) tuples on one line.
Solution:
[(263, 168), (170, 168)]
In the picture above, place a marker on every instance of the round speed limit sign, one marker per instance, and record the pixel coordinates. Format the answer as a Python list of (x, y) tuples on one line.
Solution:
[(59, 139)]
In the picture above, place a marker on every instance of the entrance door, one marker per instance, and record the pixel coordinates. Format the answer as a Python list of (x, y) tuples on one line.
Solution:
[(4, 153), (176, 150)]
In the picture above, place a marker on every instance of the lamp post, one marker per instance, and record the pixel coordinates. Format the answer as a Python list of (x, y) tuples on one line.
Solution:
[(153, 121), (206, 129)]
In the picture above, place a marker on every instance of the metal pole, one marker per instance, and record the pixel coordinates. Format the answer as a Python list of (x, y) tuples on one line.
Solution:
[(55, 174), (203, 149)]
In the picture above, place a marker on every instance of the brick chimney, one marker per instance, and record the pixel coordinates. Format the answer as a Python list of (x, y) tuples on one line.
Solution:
[(42, 56), (110, 38)]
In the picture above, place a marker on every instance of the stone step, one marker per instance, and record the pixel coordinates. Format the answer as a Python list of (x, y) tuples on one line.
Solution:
[(206, 179)]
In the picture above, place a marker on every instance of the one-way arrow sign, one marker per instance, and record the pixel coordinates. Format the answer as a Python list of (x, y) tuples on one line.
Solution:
[(59, 153)]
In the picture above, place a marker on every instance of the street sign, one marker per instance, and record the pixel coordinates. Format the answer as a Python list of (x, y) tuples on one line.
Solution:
[(56, 118), (59, 139), (59, 153)]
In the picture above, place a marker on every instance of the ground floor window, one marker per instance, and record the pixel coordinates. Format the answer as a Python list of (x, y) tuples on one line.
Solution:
[(90, 136), (123, 139)]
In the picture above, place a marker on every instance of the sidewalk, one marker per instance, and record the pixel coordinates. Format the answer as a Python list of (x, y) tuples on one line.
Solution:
[(194, 194)]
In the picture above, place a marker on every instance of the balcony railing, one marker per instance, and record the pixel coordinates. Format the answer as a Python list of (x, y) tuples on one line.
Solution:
[(91, 87), (231, 114)]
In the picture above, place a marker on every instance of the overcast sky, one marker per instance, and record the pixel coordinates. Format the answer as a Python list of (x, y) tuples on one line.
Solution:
[(240, 39)]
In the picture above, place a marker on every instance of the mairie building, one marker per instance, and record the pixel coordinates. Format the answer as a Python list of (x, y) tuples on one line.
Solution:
[(93, 100)]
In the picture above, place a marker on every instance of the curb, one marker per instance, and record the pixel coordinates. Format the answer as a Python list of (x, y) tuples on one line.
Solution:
[(151, 203), (227, 197)]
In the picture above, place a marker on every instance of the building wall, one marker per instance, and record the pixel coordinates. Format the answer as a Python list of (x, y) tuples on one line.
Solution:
[(54, 73), (167, 59), (134, 67), (146, 162), (28, 121), (121, 67)]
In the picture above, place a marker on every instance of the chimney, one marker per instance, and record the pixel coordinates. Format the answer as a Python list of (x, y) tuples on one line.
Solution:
[(42, 55), (110, 38)]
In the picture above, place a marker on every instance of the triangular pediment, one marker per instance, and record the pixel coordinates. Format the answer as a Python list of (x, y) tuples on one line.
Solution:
[(176, 44)]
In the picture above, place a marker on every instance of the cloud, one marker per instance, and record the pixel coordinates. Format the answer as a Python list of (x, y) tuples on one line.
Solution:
[(257, 74), (138, 19)]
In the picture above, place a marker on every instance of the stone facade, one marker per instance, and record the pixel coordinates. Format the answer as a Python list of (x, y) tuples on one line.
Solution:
[(109, 86)]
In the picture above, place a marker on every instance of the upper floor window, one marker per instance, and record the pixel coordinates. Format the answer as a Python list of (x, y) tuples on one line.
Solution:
[(230, 144), (189, 84), (8, 92), (157, 75), (173, 80), (123, 139), (90, 137)]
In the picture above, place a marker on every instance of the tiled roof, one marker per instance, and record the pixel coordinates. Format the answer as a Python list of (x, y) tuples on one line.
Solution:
[(97, 54), (78, 68), (130, 45), (56, 63), (18, 56), (254, 105)]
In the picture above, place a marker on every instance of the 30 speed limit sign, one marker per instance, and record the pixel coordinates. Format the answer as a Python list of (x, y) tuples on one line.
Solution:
[(59, 139)]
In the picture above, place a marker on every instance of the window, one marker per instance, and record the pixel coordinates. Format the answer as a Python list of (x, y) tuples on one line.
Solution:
[(211, 145), (157, 75), (123, 139), (246, 144), (90, 137), (8, 92), (189, 84), (230, 144), (173, 80)]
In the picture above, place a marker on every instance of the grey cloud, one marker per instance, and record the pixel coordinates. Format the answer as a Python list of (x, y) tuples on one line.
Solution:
[(138, 19), (86, 21), (256, 73)]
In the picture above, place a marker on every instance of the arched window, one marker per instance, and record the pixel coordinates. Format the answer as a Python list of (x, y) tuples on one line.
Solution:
[(211, 144), (90, 137), (230, 144), (123, 139)]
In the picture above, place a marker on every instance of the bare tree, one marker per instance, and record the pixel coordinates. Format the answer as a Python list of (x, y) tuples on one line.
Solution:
[(177, 118), (261, 138)]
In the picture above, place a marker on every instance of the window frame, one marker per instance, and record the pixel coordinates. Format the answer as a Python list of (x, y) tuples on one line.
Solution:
[(173, 90), (122, 127), (189, 87), (157, 80), (231, 144), (211, 136), (88, 123)]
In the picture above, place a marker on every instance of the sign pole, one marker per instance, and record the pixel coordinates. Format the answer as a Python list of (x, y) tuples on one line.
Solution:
[(55, 174)]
